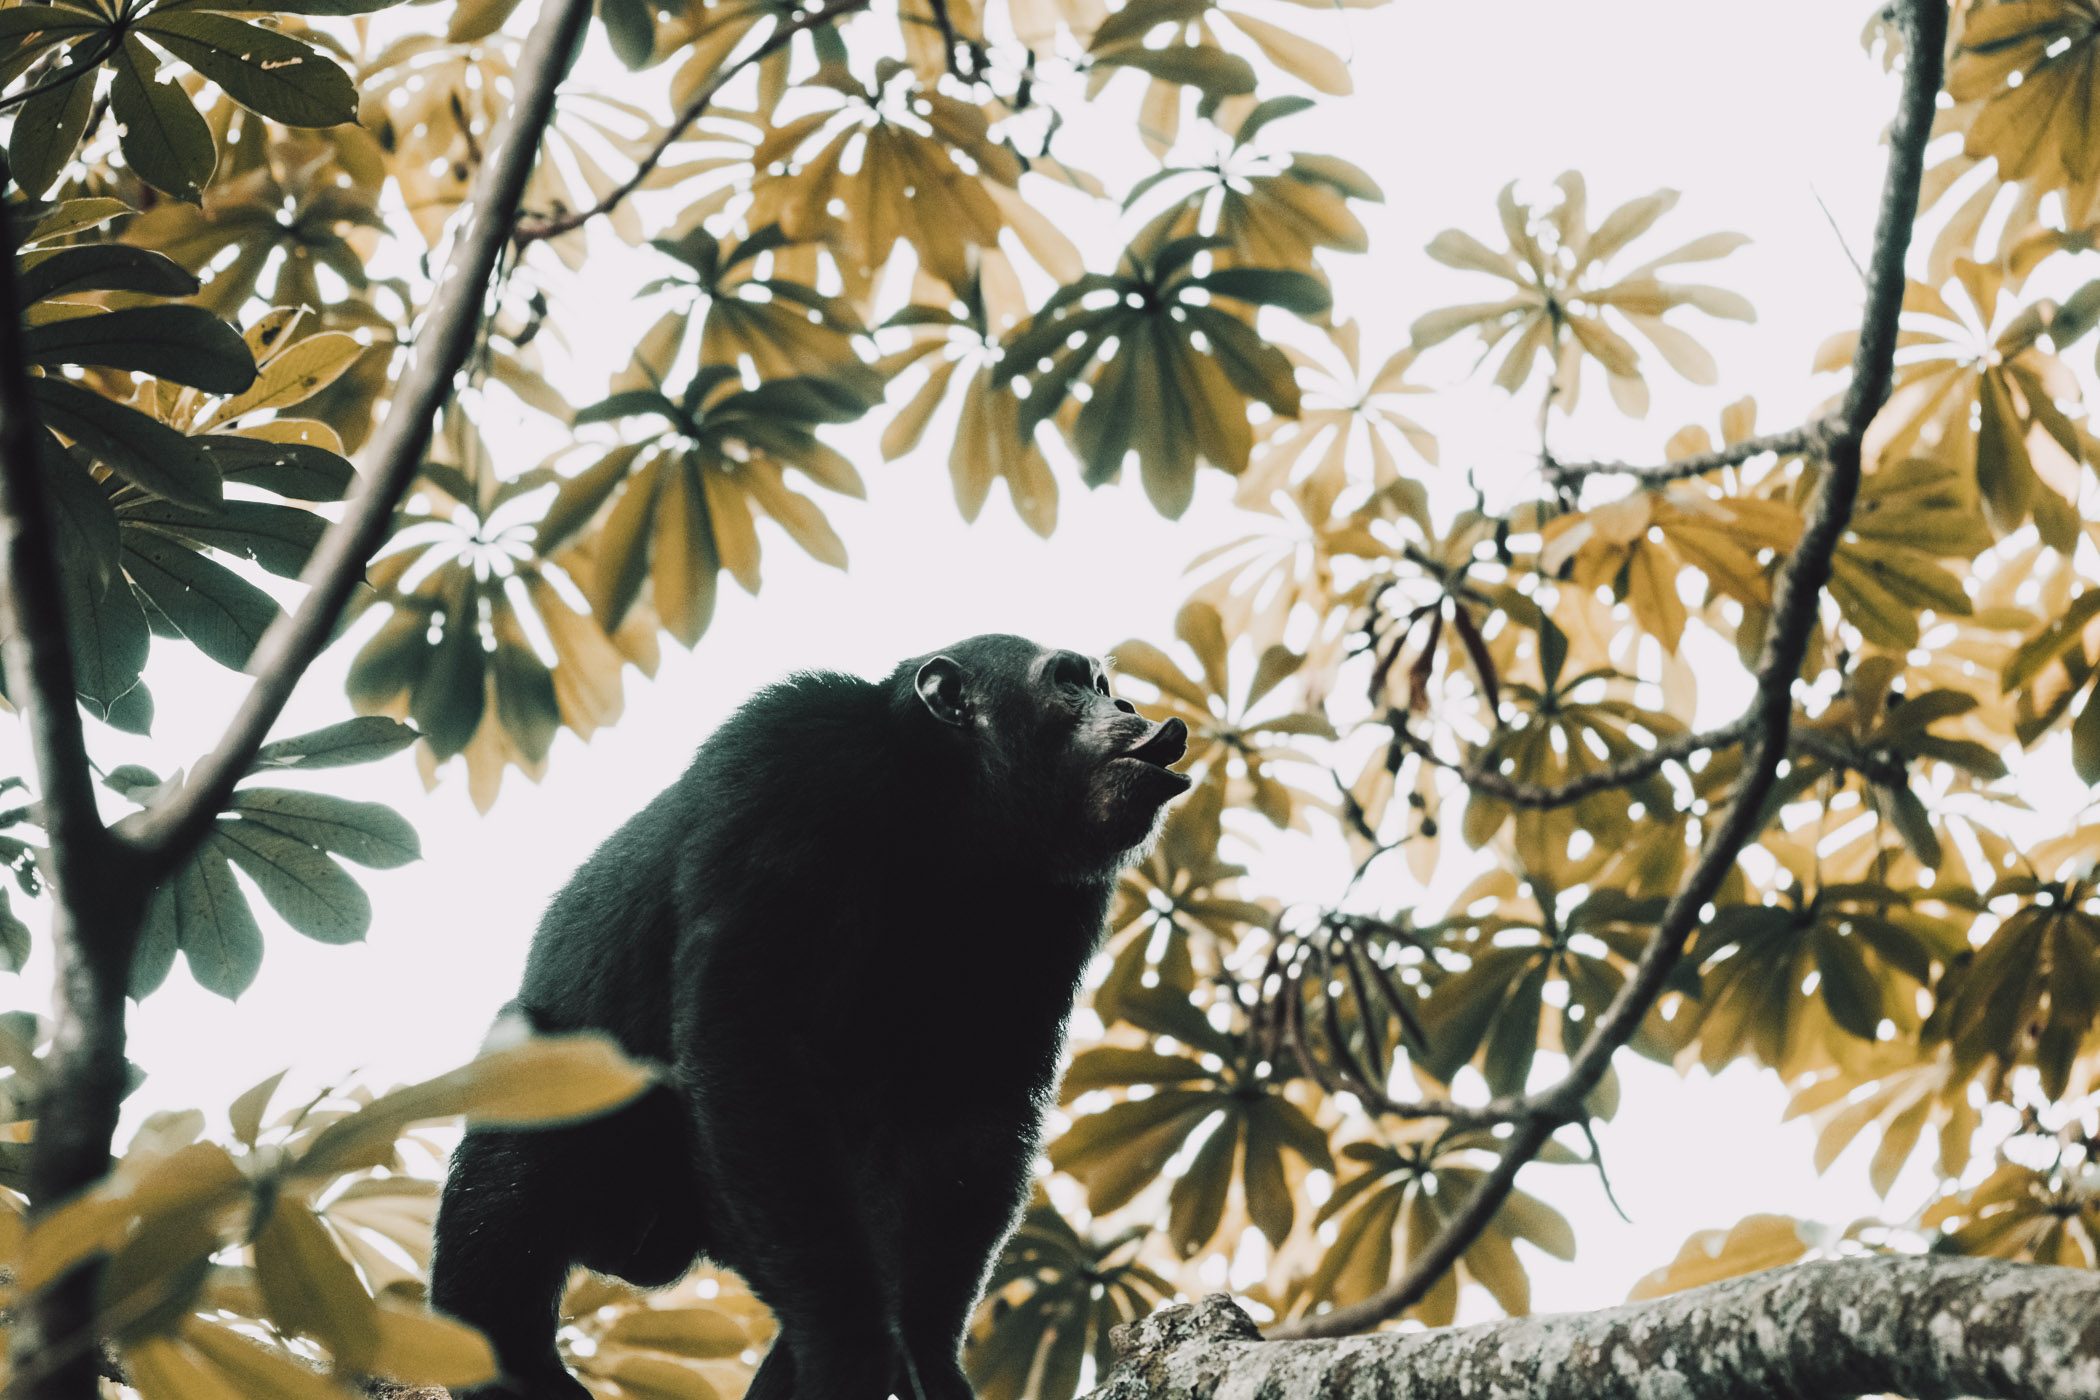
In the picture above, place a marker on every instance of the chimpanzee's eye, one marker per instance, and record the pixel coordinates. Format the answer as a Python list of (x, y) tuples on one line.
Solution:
[(1074, 670)]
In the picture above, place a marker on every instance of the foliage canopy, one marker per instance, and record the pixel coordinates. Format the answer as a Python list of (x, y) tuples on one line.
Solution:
[(223, 218)]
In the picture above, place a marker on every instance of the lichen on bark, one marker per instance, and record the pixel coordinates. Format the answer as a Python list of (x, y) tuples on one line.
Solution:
[(1920, 1326)]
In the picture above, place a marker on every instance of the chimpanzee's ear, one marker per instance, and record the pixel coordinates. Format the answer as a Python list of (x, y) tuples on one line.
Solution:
[(940, 688)]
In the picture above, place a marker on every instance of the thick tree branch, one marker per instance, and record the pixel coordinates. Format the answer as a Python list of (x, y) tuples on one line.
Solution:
[(1796, 598), (1922, 1326), (95, 901), (166, 834), (1811, 438), (532, 230)]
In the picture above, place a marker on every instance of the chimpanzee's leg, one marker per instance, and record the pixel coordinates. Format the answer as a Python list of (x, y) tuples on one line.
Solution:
[(502, 1253)]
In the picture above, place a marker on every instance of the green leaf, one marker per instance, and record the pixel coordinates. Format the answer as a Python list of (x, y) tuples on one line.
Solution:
[(267, 72), (451, 694), (1216, 72), (161, 135), (144, 451), (14, 937), (1296, 292), (360, 740), (279, 538), (630, 26), (365, 832), (581, 495), (48, 130), (220, 612), (1848, 986), (212, 924), (628, 403), (2085, 739), (100, 267), (109, 638), (295, 469), (86, 523), (181, 344), (308, 890)]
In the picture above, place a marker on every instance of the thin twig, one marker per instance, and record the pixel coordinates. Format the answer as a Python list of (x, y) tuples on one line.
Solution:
[(1809, 438), (532, 230), (1796, 597), (1843, 246), (166, 834), (1542, 797), (1488, 782), (946, 24)]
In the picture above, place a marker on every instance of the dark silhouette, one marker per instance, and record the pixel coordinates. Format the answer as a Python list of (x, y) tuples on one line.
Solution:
[(852, 933)]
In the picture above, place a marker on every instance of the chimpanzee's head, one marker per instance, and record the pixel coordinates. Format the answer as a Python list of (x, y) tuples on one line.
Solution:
[(1059, 767)]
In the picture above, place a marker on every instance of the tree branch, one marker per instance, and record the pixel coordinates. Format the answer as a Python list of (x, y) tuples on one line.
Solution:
[(1796, 597), (1490, 782), (166, 834), (1922, 1326), (95, 900), (532, 230), (1541, 797), (1809, 438)]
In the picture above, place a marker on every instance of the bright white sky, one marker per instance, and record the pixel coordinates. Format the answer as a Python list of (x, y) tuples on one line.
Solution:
[(1751, 111)]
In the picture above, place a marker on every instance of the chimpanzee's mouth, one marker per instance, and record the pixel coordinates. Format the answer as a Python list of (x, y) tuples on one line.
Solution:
[(1163, 746)]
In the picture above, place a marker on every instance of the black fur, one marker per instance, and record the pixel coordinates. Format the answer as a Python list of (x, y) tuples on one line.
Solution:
[(851, 933)]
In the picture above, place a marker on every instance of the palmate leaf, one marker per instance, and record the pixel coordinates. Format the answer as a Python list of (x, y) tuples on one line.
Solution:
[(2020, 1211), (141, 546), (679, 510), (2026, 997), (1167, 373), (165, 140), (457, 653), (1870, 953), (1050, 1304), (1977, 392), (908, 185), (2038, 127), (1562, 303), (1556, 739), (778, 326), (1231, 744), (1888, 569), (1497, 1009), (1399, 1201), (1236, 1112), (1273, 211), (1641, 544), (960, 347), (287, 842)]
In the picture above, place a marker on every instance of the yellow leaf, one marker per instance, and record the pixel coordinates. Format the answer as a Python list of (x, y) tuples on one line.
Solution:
[(1310, 63), (418, 1347), (1755, 1243), (294, 375), (543, 1079)]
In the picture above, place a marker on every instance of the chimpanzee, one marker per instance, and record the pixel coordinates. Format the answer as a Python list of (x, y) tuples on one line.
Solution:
[(851, 935)]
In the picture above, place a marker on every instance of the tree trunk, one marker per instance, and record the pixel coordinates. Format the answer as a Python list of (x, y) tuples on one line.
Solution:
[(1921, 1326)]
